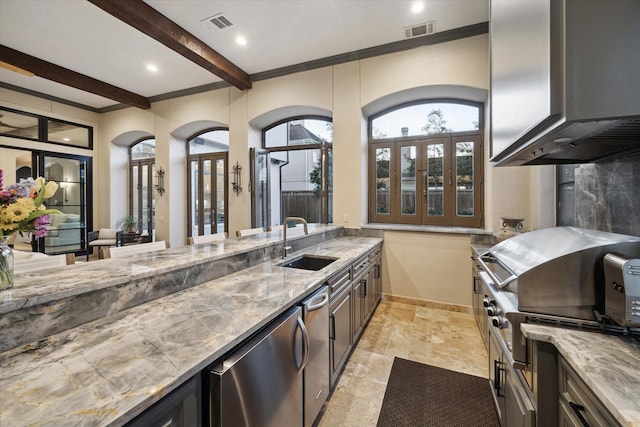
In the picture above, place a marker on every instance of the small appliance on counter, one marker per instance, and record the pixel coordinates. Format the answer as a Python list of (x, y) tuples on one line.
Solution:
[(622, 290)]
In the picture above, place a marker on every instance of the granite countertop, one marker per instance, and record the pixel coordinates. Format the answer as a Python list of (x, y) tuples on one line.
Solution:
[(608, 364), (72, 280), (106, 372)]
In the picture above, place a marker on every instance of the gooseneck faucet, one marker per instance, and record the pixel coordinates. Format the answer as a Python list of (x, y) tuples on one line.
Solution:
[(284, 229)]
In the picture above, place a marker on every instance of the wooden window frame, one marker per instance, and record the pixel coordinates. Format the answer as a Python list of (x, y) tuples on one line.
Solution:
[(449, 217)]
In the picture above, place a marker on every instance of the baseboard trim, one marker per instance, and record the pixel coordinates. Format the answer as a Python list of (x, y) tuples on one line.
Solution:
[(427, 303)]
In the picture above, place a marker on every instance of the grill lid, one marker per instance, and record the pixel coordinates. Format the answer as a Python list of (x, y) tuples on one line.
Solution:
[(557, 271), (530, 250)]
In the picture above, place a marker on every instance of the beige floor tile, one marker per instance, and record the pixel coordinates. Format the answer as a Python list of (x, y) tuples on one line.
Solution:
[(446, 339)]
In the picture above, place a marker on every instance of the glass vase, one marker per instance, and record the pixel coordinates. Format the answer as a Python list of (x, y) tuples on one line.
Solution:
[(6, 264)]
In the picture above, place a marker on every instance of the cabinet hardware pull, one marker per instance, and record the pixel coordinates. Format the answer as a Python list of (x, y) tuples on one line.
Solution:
[(497, 374), (333, 327), (578, 410)]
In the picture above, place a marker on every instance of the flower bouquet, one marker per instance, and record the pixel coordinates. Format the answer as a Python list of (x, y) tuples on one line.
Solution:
[(22, 211)]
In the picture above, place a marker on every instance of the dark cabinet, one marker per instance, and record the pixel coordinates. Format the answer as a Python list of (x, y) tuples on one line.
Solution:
[(181, 408), (340, 315), (375, 279), (359, 305), (578, 405), (513, 404), (352, 305)]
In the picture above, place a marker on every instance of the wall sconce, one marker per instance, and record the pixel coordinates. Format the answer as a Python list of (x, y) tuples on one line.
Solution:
[(237, 178), (160, 180)]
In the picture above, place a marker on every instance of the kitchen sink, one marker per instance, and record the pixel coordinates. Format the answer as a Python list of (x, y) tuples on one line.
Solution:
[(309, 262)]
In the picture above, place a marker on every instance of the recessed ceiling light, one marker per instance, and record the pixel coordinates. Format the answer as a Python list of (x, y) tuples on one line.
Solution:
[(417, 7), (241, 40), (152, 68)]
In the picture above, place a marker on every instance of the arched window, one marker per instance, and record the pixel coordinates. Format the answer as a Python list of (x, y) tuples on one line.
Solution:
[(208, 154), (293, 172), (425, 163), (142, 169)]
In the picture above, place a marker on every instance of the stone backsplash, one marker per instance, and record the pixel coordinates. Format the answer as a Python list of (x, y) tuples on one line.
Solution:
[(607, 196)]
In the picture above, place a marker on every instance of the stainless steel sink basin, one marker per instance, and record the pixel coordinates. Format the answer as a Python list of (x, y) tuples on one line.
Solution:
[(309, 262)]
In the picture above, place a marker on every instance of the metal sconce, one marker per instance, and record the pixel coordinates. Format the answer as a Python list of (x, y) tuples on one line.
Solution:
[(237, 178), (160, 180)]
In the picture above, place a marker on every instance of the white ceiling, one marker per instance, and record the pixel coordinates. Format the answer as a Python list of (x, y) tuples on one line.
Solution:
[(79, 36)]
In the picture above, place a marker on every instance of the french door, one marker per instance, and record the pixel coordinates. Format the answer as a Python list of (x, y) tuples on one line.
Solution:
[(142, 195), (67, 232), (260, 188), (208, 196)]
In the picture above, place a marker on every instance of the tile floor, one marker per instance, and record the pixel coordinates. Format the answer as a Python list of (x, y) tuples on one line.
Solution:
[(437, 337)]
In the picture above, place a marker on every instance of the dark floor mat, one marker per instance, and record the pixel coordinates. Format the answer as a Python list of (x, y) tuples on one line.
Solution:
[(424, 395)]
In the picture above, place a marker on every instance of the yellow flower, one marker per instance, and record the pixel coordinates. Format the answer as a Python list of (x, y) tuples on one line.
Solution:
[(17, 211), (50, 189)]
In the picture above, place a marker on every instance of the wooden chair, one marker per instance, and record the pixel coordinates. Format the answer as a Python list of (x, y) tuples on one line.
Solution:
[(207, 238), (125, 251), (104, 237), (249, 231), (28, 265)]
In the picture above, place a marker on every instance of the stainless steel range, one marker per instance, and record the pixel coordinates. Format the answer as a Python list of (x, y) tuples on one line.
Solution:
[(554, 276), (549, 275)]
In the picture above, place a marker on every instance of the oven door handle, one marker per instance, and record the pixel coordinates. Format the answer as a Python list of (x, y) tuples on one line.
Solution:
[(496, 281)]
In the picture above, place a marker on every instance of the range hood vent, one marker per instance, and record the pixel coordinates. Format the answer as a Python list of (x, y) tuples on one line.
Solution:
[(580, 142)]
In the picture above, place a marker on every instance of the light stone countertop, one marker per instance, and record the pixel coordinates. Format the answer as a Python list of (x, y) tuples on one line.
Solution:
[(608, 364), (30, 289), (106, 372)]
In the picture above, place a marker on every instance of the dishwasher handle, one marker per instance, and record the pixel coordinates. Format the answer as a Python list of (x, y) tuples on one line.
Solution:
[(318, 301), (305, 345)]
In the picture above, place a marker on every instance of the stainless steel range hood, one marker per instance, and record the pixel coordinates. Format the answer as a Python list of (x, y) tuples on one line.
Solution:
[(564, 81)]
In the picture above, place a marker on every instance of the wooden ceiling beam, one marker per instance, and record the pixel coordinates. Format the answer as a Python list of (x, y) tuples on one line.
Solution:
[(67, 77), (146, 19)]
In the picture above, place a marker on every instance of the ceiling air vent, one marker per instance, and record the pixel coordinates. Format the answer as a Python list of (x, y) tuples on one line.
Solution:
[(420, 30), (217, 22)]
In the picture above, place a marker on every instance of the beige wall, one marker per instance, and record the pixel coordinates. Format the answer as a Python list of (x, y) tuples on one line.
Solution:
[(428, 266)]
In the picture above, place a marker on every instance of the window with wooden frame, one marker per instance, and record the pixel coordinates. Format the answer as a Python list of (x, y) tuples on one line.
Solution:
[(425, 164)]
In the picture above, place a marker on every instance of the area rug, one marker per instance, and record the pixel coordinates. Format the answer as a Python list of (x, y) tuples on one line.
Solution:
[(424, 395)]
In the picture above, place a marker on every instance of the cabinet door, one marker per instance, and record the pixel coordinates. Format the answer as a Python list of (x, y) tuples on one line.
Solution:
[(377, 276), (358, 307), (518, 410), (496, 373), (181, 408), (339, 332)]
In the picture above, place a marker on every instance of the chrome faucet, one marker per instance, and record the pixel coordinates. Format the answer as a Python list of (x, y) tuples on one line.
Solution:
[(284, 229)]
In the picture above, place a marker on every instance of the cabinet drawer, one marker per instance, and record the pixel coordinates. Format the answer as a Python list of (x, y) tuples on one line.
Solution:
[(338, 281), (375, 254), (579, 400), (360, 265), (340, 318)]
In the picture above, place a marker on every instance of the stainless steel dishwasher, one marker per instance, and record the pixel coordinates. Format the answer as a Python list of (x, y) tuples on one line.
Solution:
[(260, 384), (316, 373), (280, 377)]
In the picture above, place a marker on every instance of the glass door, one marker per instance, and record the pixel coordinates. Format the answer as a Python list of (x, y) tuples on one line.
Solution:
[(260, 189), (143, 196), (67, 232), (208, 197)]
